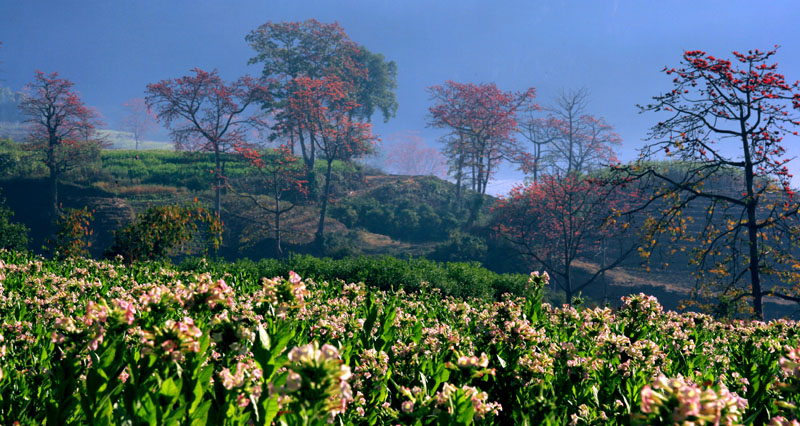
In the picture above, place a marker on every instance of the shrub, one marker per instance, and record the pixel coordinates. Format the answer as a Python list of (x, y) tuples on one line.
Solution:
[(458, 279), (161, 230), (72, 233), (460, 247), (13, 236)]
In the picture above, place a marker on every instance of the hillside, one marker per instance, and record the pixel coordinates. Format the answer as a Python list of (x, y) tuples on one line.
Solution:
[(370, 214)]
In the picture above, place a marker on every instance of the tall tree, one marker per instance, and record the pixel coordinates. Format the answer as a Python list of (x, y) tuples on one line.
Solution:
[(482, 120), (205, 114), (313, 50), (139, 120), (725, 122), (558, 220), (60, 127), (281, 177), (321, 108)]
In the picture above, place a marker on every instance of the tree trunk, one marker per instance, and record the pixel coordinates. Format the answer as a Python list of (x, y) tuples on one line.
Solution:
[(319, 240), (459, 178), (755, 276), (217, 183), (278, 222), (53, 166), (568, 288), (278, 234), (54, 191), (752, 225)]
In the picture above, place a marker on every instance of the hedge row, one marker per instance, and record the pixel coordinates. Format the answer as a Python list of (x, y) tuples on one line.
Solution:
[(459, 279)]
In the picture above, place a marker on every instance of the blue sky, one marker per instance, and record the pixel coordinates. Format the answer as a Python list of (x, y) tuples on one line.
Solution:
[(112, 49)]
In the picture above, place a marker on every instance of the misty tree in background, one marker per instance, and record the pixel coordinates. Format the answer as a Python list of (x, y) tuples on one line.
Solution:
[(725, 124), (568, 140), (406, 154), (139, 120), (482, 121), (205, 114), (279, 173), (559, 220), (61, 126), (539, 133)]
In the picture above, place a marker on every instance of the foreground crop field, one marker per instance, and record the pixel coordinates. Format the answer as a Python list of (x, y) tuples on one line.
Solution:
[(87, 342)]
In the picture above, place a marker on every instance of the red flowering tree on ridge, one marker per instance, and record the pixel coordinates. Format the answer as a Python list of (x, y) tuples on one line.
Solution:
[(279, 174), (205, 114), (725, 121), (61, 127), (482, 120), (558, 220)]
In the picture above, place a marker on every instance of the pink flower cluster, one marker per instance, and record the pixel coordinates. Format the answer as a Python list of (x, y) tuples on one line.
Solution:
[(322, 371), (685, 403), (790, 364), (174, 339), (246, 378)]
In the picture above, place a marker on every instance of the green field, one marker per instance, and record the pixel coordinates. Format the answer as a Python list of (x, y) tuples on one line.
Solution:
[(87, 342)]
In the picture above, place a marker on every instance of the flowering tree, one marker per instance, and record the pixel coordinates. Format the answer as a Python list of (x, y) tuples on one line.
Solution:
[(61, 126), (297, 55), (406, 153), (281, 176), (161, 231), (482, 120), (205, 114), (556, 221), (314, 49), (321, 109), (726, 121), (139, 120)]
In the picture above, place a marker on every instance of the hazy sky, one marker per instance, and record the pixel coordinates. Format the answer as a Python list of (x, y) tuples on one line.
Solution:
[(112, 49)]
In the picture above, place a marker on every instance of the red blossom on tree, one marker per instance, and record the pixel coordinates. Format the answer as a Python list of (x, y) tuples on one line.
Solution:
[(558, 220), (482, 121), (61, 127), (325, 86), (205, 114), (139, 120), (726, 120), (288, 50), (280, 176), (320, 109)]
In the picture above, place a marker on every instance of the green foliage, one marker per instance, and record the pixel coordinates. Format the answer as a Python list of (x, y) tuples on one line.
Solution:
[(189, 170), (17, 161), (193, 171), (408, 210), (72, 232), (86, 342), (161, 230), (460, 279), (13, 236), (460, 246)]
